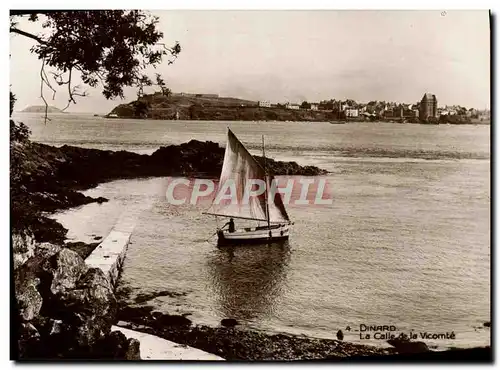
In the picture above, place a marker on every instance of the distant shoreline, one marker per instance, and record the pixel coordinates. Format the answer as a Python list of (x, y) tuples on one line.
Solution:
[(214, 108), (331, 121)]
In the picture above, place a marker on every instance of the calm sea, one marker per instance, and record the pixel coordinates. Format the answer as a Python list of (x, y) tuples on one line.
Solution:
[(406, 241)]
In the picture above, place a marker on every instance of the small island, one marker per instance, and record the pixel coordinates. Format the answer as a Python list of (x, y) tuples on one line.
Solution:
[(41, 109)]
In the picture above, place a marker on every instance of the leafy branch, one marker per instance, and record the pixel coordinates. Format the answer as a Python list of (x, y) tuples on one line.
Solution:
[(111, 48)]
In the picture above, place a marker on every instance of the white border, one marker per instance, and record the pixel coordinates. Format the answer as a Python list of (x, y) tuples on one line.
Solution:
[(186, 4)]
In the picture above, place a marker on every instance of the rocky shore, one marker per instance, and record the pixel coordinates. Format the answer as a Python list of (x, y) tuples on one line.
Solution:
[(63, 308), (48, 178), (233, 343)]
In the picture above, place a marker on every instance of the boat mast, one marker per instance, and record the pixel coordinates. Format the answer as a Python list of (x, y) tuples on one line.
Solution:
[(267, 184)]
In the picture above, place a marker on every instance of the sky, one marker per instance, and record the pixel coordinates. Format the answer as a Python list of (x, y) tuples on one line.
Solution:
[(299, 55)]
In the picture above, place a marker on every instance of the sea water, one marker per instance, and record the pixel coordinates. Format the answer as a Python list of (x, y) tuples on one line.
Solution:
[(404, 244)]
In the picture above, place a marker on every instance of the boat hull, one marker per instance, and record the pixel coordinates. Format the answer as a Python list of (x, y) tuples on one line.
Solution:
[(259, 235)]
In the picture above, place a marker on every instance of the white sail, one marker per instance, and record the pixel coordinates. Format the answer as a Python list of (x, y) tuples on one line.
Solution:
[(239, 171), (277, 211)]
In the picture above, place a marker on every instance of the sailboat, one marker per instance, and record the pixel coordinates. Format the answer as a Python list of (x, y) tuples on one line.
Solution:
[(240, 167)]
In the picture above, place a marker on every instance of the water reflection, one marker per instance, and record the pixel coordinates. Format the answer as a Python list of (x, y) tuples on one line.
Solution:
[(247, 280)]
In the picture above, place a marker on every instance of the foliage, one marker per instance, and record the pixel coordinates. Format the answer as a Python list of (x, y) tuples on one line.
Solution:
[(432, 120), (12, 102), (112, 48), (351, 103), (141, 108), (454, 119), (305, 105), (21, 210), (19, 131), (326, 105), (161, 83)]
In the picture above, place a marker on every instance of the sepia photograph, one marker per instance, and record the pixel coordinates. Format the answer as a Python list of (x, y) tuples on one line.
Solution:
[(250, 185)]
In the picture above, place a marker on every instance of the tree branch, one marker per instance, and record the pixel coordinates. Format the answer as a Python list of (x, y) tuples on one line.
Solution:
[(43, 80), (27, 34), (34, 11)]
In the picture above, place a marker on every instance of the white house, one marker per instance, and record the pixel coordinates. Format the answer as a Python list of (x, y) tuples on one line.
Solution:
[(265, 103), (351, 112), (314, 106)]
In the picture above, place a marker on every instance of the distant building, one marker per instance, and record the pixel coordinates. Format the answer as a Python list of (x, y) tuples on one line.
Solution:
[(182, 94), (428, 106), (314, 106), (484, 115), (292, 106), (407, 111), (351, 112), (388, 113), (265, 103), (196, 95), (207, 96), (448, 110)]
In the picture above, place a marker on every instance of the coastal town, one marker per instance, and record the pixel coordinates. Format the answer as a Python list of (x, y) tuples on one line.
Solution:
[(424, 110), (199, 106)]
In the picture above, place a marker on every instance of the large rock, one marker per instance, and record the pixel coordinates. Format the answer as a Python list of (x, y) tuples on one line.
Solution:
[(116, 346), (133, 351), (28, 340), (66, 268), (23, 248), (163, 320), (54, 327), (47, 250), (70, 305), (29, 301), (404, 345), (88, 310), (229, 323)]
